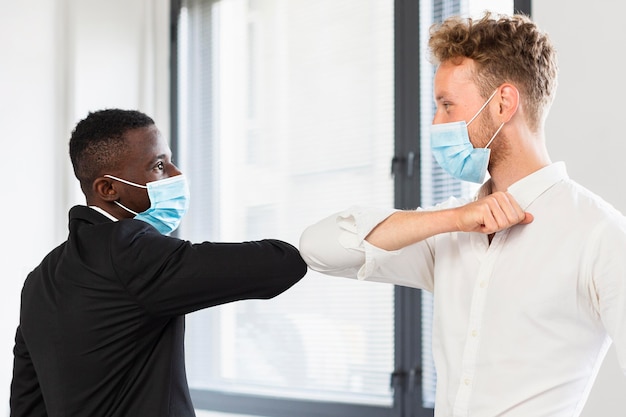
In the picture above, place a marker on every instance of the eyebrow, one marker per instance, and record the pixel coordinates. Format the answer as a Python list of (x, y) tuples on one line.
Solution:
[(157, 158), (444, 95), (440, 98)]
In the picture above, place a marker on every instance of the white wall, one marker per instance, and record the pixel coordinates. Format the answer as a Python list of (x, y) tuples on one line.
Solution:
[(29, 126), (27, 132), (62, 58), (584, 127)]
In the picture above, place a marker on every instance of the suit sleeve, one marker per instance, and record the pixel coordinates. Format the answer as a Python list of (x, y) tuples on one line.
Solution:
[(169, 276), (26, 398)]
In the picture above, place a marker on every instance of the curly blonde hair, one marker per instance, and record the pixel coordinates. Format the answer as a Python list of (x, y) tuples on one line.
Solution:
[(505, 49)]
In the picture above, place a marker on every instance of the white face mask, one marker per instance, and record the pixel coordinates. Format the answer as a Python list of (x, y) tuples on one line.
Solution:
[(455, 153), (169, 201)]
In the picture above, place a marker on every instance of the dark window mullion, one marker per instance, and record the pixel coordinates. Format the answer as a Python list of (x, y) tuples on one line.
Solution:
[(407, 105), (522, 6), (406, 169)]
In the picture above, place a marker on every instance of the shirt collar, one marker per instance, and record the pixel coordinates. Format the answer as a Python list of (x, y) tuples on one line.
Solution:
[(526, 190), (529, 188), (104, 213)]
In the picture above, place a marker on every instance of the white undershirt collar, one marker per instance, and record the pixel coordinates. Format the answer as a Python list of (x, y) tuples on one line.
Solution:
[(105, 213)]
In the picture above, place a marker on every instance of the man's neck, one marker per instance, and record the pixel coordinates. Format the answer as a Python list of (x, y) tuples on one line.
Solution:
[(524, 153), (501, 181)]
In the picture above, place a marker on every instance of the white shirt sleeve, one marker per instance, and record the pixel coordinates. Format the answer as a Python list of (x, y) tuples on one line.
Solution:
[(336, 246), (608, 274)]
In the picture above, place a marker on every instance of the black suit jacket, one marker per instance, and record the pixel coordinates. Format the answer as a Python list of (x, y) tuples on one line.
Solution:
[(101, 328)]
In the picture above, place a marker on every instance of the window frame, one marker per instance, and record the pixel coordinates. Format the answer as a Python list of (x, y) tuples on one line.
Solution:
[(405, 167)]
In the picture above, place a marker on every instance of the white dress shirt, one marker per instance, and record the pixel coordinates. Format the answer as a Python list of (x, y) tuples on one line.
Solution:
[(521, 325)]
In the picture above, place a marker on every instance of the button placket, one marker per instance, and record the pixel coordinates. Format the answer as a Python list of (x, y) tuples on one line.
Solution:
[(473, 339)]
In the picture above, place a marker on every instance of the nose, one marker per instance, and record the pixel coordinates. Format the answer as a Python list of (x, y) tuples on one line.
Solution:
[(173, 171), (438, 116)]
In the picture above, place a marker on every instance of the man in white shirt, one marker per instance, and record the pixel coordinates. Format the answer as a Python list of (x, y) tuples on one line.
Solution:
[(529, 278)]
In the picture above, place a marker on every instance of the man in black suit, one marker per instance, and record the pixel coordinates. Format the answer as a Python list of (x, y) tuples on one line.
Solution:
[(101, 329)]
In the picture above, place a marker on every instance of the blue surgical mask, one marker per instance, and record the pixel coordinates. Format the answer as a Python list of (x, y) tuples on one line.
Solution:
[(169, 201), (455, 153)]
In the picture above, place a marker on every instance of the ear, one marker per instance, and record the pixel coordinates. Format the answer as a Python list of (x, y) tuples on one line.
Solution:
[(508, 101), (104, 189)]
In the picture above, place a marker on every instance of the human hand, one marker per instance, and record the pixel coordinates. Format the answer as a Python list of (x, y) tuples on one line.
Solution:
[(491, 214)]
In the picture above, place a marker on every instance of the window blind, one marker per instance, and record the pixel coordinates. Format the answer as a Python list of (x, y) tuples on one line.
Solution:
[(286, 116)]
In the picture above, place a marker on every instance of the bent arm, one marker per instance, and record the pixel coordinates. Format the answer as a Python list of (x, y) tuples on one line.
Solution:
[(335, 244), (490, 214), (170, 277), (392, 246)]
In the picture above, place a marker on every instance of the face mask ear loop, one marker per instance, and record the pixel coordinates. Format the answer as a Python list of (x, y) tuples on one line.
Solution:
[(126, 182), (126, 208), (129, 183), (483, 107), (494, 136)]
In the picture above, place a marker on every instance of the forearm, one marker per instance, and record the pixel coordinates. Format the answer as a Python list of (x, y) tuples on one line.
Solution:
[(403, 228), (490, 214), (336, 246)]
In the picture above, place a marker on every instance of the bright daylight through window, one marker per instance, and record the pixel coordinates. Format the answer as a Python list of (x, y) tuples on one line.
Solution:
[(286, 115)]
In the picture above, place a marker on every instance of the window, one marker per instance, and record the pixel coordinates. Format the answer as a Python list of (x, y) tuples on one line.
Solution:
[(284, 112), (285, 116)]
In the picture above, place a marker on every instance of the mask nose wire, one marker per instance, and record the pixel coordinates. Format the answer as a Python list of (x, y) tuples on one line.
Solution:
[(483, 107)]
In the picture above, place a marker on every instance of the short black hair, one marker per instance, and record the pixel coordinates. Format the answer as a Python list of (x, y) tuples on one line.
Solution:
[(97, 142)]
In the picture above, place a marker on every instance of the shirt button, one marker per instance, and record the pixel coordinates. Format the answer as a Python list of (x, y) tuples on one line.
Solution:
[(474, 333), (467, 381), (483, 284)]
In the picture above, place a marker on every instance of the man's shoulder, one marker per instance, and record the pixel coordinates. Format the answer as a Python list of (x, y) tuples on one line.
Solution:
[(589, 200), (584, 208), (87, 216)]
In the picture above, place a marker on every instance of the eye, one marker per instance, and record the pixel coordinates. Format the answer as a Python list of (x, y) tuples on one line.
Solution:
[(442, 105), (160, 166)]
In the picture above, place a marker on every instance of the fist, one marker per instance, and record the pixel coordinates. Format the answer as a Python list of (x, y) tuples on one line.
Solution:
[(491, 214)]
